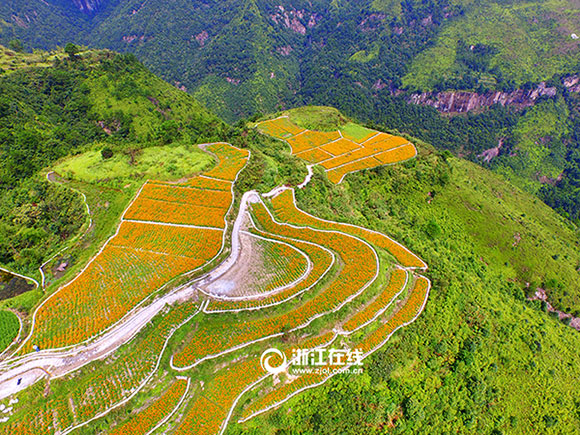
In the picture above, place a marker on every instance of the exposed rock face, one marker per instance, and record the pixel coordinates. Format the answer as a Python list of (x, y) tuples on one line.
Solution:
[(88, 6), (463, 101), (296, 20)]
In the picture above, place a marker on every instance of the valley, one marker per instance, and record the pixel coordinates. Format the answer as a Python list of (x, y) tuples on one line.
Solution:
[(169, 268)]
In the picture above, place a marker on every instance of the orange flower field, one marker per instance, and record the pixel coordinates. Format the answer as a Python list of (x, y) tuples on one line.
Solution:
[(315, 155), (286, 210), (406, 313), (103, 386), (150, 210), (211, 408), (331, 285), (359, 269), (142, 257), (311, 139), (180, 241), (282, 391), (147, 419), (339, 150), (363, 316)]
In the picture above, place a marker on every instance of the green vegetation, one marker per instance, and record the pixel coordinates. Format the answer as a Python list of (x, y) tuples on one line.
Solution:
[(155, 162), (480, 357), (538, 146), (257, 58), (117, 120), (9, 327), (515, 43), (356, 131), (316, 118)]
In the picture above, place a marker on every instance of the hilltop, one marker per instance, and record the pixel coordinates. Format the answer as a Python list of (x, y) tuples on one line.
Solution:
[(476, 355)]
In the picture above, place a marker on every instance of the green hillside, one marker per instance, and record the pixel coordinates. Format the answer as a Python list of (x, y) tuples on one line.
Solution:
[(52, 106), (243, 57), (482, 359), (246, 58)]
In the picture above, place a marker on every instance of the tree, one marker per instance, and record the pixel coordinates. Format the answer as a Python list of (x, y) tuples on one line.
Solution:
[(16, 45), (106, 153), (71, 50)]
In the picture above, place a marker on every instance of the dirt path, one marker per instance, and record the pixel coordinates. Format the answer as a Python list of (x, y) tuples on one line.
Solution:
[(32, 367), (20, 373)]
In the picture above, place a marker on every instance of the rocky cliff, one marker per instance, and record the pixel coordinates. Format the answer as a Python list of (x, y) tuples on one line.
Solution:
[(463, 101), (88, 6)]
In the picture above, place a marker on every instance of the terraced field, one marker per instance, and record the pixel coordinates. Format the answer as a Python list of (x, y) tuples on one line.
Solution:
[(349, 149), (309, 284), (167, 231)]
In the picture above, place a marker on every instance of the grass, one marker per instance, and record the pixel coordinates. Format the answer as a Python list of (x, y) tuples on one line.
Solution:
[(9, 327), (319, 118), (355, 131), (163, 162)]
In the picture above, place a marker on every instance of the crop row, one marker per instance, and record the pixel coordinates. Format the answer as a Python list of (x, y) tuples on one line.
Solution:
[(397, 155), (285, 209), (311, 139), (206, 183), (314, 155), (281, 264), (321, 261), (211, 408), (360, 268), (231, 161), (186, 195), (364, 316), (175, 213), (148, 418), (406, 313), (79, 398), (337, 174), (380, 150), (280, 128), (181, 241), (339, 147), (118, 279), (198, 182), (349, 157), (279, 394), (384, 142)]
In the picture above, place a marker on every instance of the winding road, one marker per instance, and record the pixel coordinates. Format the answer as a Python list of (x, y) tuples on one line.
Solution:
[(19, 373)]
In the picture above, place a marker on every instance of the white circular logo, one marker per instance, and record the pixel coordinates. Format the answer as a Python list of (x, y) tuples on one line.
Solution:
[(265, 361)]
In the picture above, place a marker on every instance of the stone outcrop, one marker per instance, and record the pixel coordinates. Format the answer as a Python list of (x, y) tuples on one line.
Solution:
[(88, 6), (454, 102)]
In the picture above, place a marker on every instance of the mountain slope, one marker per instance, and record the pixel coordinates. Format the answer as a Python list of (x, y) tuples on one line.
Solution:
[(266, 53), (53, 105), (482, 359)]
